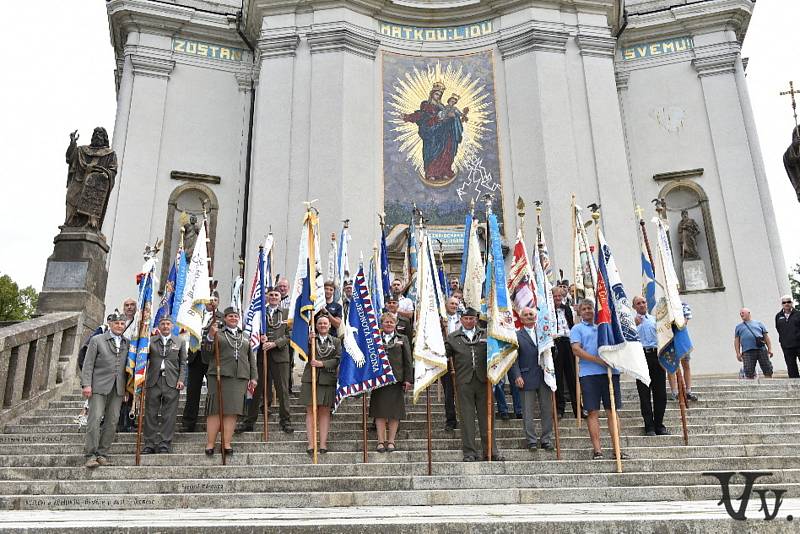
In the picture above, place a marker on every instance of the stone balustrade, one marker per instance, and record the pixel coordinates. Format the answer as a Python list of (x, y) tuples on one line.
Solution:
[(36, 357)]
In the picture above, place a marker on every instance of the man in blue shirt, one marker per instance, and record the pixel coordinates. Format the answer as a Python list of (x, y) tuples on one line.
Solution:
[(593, 374), (652, 398), (752, 344)]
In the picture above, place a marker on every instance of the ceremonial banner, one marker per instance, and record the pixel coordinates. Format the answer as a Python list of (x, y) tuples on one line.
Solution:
[(501, 338), (139, 347), (168, 294), (180, 284), (617, 338), (473, 273), (373, 286), (545, 313), (520, 280), (236, 297), (385, 286), (197, 292), (308, 295), (364, 365), (674, 342), (255, 318), (430, 361), (585, 273), (648, 281)]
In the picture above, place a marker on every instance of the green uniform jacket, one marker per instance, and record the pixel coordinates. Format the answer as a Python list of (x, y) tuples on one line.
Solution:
[(280, 334), (326, 375), (174, 358), (399, 353), (244, 367), (460, 350)]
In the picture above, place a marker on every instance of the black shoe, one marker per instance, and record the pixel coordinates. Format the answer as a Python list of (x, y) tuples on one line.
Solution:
[(547, 446), (228, 452), (325, 451), (692, 397), (242, 428), (163, 450), (649, 432), (532, 446), (148, 450), (518, 416), (210, 452), (585, 414), (663, 432), (287, 428), (470, 458), (495, 458), (448, 428), (187, 429), (597, 455)]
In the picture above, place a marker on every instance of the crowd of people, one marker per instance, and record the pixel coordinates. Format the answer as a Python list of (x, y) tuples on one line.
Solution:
[(236, 381)]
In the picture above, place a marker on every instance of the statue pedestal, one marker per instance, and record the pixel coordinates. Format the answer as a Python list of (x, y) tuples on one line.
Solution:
[(75, 279), (694, 275)]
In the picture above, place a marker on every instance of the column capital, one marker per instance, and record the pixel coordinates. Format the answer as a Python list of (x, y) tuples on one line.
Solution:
[(281, 42), (592, 42), (712, 60), (151, 66), (527, 38), (343, 37)]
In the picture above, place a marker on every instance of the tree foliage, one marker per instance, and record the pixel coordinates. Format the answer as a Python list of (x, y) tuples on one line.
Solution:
[(794, 282), (16, 304)]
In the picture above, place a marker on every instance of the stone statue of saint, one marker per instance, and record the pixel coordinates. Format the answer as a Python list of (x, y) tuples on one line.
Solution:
[(791, 160), (90, 179), (687, 237), (190, 231)]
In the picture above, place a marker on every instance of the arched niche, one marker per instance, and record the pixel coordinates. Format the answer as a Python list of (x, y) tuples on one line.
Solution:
[(187, 198), (685, 194)]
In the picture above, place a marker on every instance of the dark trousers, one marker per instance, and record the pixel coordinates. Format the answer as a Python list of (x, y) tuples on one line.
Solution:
[(125, 423), (791, 355), (161, 409), (760, 356), (499, 391), (449, 400), (197, 370), (279, 377), (564, 362), (653, 398)]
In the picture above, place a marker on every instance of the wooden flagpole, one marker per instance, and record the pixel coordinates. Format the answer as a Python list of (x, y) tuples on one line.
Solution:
[(613, 427), (312, 274), (679, 377), (521, 208), (364, 423), (578, 406), (265, 356), (422, 270), (489, 385), (430, 430), (141, 415)]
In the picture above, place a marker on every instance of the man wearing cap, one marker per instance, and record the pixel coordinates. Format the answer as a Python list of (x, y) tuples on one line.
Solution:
[(787, 323), (466, 347), (166, 375), (103, 382), (403, 324), (125, 422), (276, 343), (197, 368), (347, 293)]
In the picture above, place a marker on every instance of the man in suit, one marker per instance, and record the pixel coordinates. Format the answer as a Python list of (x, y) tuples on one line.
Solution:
[(787, 323), (103, 382), (166, 375), (466, 347), (529, 378), (452, 324), (276, 344), (197, 369)]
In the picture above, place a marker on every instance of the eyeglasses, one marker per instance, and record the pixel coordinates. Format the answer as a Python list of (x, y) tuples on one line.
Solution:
[(786, 302)]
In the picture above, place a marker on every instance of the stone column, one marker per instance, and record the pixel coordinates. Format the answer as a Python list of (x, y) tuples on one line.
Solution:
[(715, 64), (343, 141), (137, 179), (270, 173), (614, 184), (542, 139)]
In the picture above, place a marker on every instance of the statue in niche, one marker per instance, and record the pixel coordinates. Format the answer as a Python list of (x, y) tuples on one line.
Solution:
[(791, 160), (687, 237), (191, 229), (90, 179)]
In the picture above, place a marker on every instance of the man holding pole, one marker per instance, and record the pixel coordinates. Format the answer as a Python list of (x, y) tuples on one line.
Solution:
[(466, 347), (652, 398), (593, 375)]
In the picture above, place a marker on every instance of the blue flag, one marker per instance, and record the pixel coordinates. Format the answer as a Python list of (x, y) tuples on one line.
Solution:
[(465, 253), (303, 315), (139, 347), (364, 365), (255, 318), (648, 282), (386, 283), (168, 298)]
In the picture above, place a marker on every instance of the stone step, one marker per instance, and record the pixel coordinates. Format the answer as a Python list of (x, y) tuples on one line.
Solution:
[(297, 455), (378, 467), (382, 497)]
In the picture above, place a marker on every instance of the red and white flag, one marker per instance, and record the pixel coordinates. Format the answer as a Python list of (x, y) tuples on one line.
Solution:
[(521, 282)]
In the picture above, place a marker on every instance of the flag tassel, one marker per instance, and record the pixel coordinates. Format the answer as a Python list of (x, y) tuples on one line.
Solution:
[(679, 375)]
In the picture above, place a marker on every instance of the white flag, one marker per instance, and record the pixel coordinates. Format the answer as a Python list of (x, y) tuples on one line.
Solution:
[(475, 273), (197, 291)]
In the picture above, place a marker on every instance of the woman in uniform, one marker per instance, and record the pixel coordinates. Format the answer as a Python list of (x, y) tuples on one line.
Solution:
[(387, 404), (328, 351), (238, 371)]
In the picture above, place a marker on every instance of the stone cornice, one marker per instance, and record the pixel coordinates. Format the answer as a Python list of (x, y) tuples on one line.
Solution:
[(694, 18), (151, 66), (718, 59), (282, 42), (532, 37), (244, 80), (342, 37), (622, 77), (592, 42)]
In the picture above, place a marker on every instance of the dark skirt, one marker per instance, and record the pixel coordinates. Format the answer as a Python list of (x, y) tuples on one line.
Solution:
[(387, 402), (233, 395), (325, 394)]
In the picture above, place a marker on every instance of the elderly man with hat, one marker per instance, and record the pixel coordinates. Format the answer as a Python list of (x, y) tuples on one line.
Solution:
[(466, 347), (103, 382), (166, 375), (238, 374)]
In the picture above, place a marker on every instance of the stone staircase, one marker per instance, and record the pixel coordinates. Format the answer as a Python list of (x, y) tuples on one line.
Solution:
[(735, 426)]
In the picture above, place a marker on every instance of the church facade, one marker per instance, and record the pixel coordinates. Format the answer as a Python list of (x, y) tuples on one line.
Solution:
[(245, 110)]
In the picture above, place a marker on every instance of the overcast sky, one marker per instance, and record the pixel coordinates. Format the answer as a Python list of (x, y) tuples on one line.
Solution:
[(58, 76)]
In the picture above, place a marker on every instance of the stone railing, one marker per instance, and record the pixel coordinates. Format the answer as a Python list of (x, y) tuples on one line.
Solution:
[(37, 360)]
